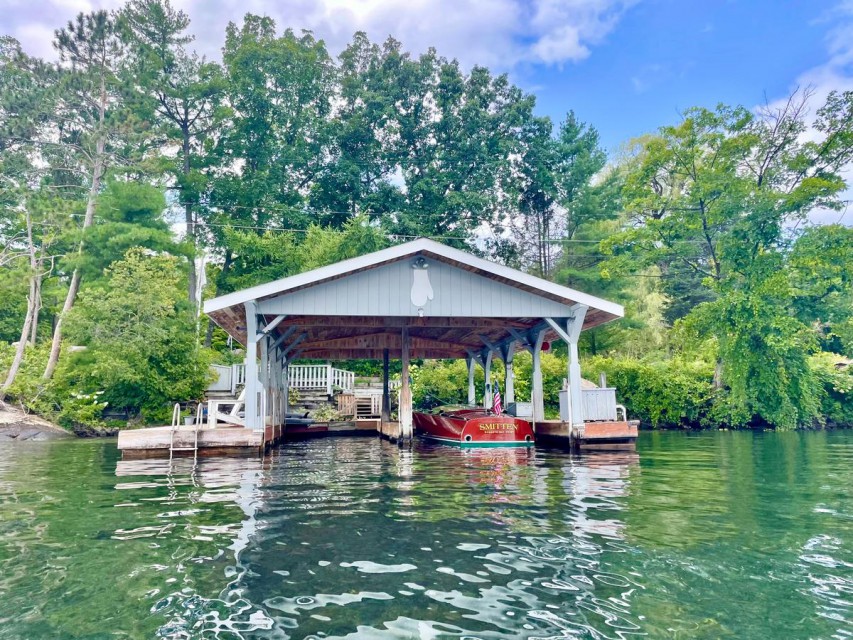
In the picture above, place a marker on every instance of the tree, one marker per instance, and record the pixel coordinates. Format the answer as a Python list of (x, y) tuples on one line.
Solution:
[(454, 137), (557, 197), (183, 94), (40, 235), (27, 228), (273, 148), (142, 353), (88, 118), (717, 194)]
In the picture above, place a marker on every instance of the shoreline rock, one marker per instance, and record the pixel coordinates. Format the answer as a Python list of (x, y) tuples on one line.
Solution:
[(16, 425)]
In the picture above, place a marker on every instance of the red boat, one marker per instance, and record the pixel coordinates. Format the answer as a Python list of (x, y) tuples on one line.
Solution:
[(472, 427)]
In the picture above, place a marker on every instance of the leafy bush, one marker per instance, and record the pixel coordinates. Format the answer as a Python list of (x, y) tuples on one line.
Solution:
[(440, 382), (836, 376), (326, 413), (669, 393), (140, 355)]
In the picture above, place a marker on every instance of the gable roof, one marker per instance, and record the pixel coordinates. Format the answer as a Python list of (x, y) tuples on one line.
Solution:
[(606, 310)]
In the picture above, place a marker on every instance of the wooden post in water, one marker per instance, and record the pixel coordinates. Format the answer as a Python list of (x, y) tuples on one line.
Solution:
[(386, 387), (405, 410)]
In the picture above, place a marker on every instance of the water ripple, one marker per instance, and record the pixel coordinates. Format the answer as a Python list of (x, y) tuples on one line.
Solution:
[(704, 536)]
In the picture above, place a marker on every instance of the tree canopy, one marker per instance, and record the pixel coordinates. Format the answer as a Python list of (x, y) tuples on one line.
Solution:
[(137, 177)]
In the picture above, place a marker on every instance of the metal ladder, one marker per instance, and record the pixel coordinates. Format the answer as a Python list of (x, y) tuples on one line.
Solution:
[(176, 421)]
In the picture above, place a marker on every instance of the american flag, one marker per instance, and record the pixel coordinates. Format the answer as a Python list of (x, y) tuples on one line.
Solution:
[(496, 403)]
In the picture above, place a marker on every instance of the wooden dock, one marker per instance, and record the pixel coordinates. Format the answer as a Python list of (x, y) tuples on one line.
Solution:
[(155, 442), (600, 435)]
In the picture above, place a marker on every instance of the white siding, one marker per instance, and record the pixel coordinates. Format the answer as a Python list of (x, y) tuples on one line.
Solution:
[(385, 291)]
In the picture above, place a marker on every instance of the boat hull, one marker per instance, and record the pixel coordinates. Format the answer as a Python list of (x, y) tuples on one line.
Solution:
[(474, 428)]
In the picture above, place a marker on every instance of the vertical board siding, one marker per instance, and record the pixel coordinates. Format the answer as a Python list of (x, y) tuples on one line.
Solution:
[(386, 291)]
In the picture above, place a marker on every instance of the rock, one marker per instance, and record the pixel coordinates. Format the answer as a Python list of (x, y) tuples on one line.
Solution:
[(19, 426)]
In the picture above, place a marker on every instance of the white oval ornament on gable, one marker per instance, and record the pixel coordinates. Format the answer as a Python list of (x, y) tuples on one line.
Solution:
[(421, 288)]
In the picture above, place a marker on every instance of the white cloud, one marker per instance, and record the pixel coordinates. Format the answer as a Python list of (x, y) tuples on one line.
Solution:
[(38, 39), (495, 33), (835, 74)]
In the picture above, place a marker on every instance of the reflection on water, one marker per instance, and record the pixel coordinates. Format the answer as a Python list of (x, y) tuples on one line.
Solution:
[(708, 536)]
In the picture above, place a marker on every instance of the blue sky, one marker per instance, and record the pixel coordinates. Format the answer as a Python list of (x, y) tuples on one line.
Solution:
[(666, 55), (625, 66)]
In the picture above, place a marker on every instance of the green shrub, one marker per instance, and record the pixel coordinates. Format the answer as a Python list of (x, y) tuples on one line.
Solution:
[(837, 379), (669, 393)]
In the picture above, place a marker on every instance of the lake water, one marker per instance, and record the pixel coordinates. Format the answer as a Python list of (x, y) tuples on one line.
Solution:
[(709, 535)]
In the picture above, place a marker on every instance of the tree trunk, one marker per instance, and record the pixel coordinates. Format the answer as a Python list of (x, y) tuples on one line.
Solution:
[(34, 323), (31, 317), (192, 294), (226, 267), (94, 188), (22, 342), (718, 374)]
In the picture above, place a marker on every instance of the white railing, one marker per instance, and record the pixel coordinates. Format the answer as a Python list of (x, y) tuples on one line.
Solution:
[(302, 376), (343, 380)]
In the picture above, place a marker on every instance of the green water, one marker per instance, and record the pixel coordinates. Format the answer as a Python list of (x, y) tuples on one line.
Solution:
[(713, 535)]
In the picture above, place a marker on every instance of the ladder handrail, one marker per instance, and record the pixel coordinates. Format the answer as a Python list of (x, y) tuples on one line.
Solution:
[(176, 418), (199, 418)]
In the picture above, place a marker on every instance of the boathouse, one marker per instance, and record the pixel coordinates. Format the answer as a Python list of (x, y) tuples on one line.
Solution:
[(421, 299)]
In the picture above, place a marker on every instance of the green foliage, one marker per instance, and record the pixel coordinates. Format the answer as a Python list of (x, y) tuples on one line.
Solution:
[(765, 358), (326, 413), (129, 215), (669, 393), (58, 399), (711, 198), (141, 348), (821, 276), (836, 375), (440, 382)]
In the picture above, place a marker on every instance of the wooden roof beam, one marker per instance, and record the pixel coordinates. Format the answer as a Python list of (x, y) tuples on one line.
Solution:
[(370, 322)]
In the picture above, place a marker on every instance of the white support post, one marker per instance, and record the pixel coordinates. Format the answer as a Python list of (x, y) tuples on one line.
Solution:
[(507, 355), (537, 393), (570, 333), (279, 388), (329, 378), (386, 387), (472, 391), (575, 389), (488, 396), (265, 378), (252, 388), (405, 410), (285, 372)]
